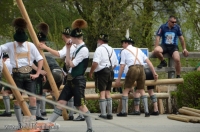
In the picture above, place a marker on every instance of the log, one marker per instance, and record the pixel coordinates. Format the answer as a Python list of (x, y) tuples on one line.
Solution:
[(90, 85), (45, 64), (15, 92), (192, 109), (113, 96), (188, 112), (191, 118), (160, 104), (174, 117)]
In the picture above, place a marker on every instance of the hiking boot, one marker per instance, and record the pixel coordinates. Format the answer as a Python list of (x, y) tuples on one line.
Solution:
[(155, 113), (109, 116), (6, 114), (122, 114), (134, 113), (79, 118), (178, 76), (162, 64), (147, 114)]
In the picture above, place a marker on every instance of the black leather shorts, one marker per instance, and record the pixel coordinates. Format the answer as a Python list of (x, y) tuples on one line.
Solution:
[(102, 80), (76, 88), (24, 81)]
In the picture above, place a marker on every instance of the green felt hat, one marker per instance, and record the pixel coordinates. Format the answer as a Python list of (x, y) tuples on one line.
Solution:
[(66, 31), (103, 37)]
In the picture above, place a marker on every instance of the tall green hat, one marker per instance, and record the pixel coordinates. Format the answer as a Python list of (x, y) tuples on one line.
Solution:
[(20, 26)]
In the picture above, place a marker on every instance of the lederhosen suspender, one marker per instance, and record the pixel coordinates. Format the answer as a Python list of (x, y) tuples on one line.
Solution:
[(134, 55), (109, 56), (22, 55)]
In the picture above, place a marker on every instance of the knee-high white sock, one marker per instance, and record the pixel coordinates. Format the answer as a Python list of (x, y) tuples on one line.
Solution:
[(43, 103), (124, 104), (57, 112), (102, 104), (109, 106), (6, 101)]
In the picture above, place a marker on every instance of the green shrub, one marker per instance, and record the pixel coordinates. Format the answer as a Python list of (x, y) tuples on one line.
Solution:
[(188, 93)]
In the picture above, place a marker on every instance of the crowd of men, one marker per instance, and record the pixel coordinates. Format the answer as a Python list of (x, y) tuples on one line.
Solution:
[(26, 66)]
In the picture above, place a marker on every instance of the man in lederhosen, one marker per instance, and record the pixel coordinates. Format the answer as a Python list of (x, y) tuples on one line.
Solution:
[(62, 54), (53, 65), (22, 54), (6, 90), (149, 76), (76, 81), (134, 58), (104, 61)]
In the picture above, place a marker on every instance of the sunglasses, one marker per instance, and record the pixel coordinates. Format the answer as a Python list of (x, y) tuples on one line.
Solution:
[(173, 22)]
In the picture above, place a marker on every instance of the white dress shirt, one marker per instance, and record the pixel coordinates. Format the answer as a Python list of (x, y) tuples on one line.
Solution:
[(101, 56), (8, 65), (80, 56), (63, 51), (128, 58), (9, 48)]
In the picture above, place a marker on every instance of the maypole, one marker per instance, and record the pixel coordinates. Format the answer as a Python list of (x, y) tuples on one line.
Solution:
[(36, 42)]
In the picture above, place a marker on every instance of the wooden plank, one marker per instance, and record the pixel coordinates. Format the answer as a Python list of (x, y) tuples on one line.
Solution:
[(91, 84), (114, 96)]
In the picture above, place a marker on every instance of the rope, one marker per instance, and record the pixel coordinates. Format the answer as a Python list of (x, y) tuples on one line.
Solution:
[(66, 107)]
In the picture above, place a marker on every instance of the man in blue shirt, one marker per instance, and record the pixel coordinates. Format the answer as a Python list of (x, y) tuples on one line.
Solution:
[(170, 32)]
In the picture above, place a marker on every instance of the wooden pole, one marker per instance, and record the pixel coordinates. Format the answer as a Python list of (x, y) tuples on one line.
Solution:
[(90, 85), (188, 112), (45, 64), (160, 104), (174, 117), (16, 93), (192, 109), (191, 118)]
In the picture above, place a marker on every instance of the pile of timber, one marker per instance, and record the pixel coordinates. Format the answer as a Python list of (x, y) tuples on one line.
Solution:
[(186, 114)]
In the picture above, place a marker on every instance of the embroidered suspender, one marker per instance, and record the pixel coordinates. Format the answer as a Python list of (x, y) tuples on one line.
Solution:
[(22, 55)]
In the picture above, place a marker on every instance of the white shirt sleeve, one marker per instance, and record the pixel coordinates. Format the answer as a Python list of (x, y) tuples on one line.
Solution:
[(62, 52), (123, 57), (114, 58), (97, 55), (35, 53), (82, 54)]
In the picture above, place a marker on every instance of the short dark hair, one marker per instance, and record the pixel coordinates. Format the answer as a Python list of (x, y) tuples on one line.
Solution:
[(172, 17)]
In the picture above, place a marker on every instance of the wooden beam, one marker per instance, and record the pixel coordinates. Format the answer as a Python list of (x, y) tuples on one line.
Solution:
[(16, 93), (114, 96), (90, 85), (36, 42)]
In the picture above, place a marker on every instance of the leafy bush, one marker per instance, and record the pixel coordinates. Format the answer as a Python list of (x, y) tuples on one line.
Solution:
[(188, 93)]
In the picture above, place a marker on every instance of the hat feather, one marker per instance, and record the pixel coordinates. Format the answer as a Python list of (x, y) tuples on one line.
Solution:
[(79, 23), (127, 33), (19, 24), (43, 27)]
